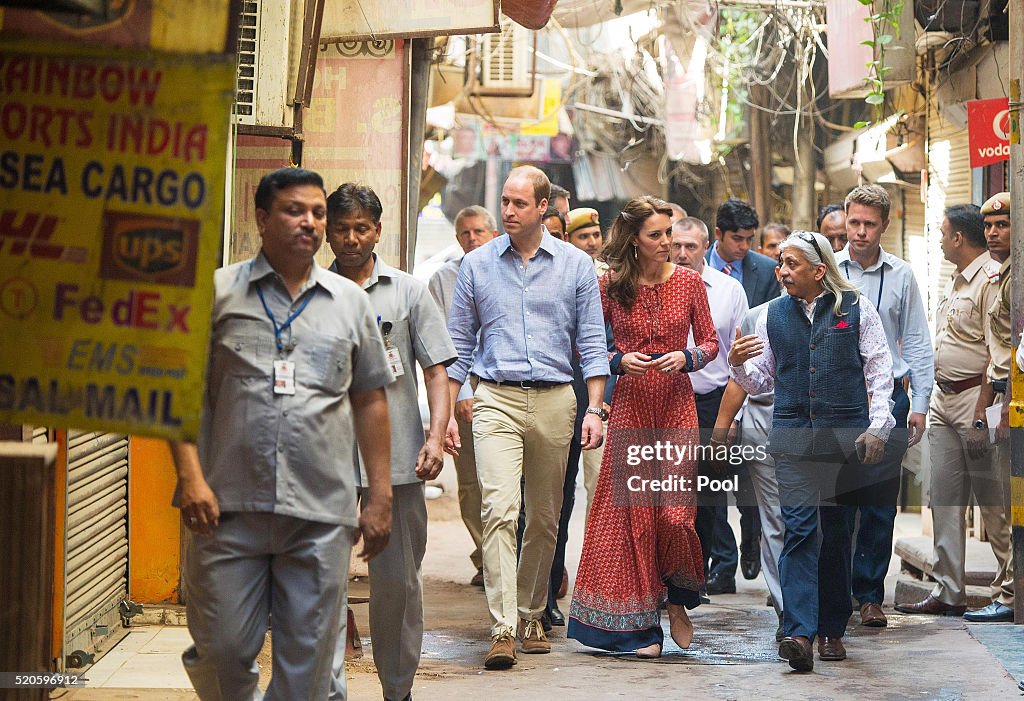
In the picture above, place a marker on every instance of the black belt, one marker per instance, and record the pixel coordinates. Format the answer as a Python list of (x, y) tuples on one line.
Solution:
[(999, 386), (524, 384)]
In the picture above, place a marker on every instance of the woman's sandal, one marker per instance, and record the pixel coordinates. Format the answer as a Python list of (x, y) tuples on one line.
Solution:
[(680, 625), (651, 652)]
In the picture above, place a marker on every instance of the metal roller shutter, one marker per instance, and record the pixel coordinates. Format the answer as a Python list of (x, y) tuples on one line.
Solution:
[(96, 538), (949, 183)]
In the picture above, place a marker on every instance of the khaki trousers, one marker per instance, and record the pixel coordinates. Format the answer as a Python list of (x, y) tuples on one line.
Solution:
[(592, 468), (469, 491), (954, 476), (520, 435)]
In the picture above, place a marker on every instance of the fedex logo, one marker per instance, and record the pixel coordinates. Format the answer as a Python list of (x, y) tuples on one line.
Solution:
[(29, 234)]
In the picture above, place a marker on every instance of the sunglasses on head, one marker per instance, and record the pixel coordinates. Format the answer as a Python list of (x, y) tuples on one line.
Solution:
[(812, 239)]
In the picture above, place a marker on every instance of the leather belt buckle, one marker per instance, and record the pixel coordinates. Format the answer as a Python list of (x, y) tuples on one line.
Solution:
[(945, 387)]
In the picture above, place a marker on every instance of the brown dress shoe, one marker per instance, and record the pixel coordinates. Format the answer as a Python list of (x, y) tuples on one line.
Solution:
[(502, 654), (932, 606), (871, 616), (831, 649), (534, 640), (798, 652)]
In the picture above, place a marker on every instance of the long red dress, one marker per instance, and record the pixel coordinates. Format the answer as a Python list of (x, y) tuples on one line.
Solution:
[(640, 547)]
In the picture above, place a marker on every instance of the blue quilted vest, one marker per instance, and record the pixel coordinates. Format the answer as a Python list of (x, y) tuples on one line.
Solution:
[(821, 400)]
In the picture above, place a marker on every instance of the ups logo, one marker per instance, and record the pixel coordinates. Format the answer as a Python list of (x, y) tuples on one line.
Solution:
[(152, 249), (149, 250)]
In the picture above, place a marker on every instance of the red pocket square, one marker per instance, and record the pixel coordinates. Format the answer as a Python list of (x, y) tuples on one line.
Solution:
[(841, 325)]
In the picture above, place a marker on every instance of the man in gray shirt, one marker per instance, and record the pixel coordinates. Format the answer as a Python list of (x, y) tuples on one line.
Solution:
[(269, 496), (474, 226), (414, 332)]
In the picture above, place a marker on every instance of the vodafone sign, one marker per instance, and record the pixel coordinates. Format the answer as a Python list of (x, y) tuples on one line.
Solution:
[(988, 129)]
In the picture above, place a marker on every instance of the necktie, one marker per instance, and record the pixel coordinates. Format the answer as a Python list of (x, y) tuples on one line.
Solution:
[(727, 269)]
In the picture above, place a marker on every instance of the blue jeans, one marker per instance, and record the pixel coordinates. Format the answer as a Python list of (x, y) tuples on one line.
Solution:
[(811, 557), (874, 499)]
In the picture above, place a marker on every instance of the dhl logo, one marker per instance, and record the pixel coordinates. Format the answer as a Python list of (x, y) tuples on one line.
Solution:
[(30, 234)]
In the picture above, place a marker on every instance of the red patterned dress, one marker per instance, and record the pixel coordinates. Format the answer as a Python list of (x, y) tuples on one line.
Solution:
[(640, 546)]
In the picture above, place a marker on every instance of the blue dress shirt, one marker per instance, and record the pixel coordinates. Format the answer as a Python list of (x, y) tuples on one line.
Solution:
[(529, 317), (717, 263)]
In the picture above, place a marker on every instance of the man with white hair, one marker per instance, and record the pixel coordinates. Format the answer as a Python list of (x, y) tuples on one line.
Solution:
[(823, 350), (474, 226)]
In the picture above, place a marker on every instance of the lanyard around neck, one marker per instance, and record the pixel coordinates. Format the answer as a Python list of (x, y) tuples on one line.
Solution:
[(278, 330), (881, 283)]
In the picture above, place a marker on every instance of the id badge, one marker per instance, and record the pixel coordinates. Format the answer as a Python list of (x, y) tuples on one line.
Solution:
[(284, 377), (395, 361)]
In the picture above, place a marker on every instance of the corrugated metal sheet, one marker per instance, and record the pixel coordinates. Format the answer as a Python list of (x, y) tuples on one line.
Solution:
[(949, 183), (96, 535)]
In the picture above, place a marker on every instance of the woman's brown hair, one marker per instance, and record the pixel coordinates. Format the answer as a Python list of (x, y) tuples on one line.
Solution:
[(620, 254)]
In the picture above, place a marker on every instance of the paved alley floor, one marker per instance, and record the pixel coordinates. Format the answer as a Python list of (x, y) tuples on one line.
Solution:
[(733, 655)]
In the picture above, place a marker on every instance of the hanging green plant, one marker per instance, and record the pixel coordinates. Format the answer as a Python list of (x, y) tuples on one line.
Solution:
[(885, 27)]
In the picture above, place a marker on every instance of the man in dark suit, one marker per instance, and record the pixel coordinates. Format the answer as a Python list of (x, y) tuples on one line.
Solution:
[(736, 225)]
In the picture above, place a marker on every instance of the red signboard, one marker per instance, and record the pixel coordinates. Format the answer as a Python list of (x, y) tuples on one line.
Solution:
[(988, 129)]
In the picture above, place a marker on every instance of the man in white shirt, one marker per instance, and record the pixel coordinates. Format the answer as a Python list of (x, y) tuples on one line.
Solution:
[(728, 302), (890, 285)]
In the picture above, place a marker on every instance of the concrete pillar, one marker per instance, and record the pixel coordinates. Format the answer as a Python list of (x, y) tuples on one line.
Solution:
[(1016, 9)]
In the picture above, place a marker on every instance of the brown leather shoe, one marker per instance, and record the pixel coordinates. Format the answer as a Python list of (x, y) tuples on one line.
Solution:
[(831, 649), (503, 652), (563, 588), (534, 640), (932, 606), (871, 616), (798, 652)]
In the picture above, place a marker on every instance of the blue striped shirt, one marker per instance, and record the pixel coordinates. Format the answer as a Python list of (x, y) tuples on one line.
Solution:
[(529, 317)]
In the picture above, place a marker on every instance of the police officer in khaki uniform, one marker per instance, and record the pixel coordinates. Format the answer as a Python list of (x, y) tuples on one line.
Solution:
[(962, 460), (998, 339)]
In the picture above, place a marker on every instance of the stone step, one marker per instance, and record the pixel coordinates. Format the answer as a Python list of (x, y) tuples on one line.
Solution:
[(910, 590), (916, 552)]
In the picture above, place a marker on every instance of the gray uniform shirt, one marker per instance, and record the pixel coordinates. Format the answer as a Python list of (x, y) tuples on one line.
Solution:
[(419, 334), (442, 289), (757, 412), (278, 453)]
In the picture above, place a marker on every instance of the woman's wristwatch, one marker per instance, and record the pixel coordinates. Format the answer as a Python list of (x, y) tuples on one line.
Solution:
[(598, 411)]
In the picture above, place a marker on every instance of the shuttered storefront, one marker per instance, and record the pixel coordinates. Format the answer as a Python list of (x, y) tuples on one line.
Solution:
[(949, 183), (96, 540)]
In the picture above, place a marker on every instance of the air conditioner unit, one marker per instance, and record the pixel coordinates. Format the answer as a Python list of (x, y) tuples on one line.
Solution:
[(269, 51), (505, 62)]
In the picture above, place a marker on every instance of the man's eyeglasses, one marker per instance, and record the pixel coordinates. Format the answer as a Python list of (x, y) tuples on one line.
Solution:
[(812, 239)]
